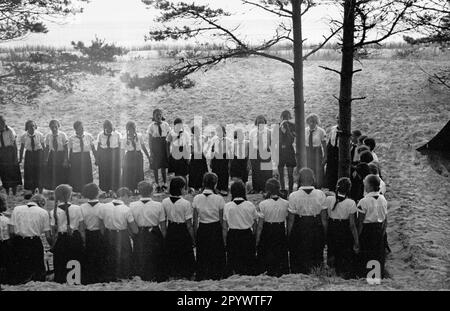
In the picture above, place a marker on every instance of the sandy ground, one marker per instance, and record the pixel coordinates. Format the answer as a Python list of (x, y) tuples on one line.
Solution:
[(401, 111)]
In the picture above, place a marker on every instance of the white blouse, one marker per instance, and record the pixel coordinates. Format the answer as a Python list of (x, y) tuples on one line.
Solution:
[(220, 147), (178, 212), (343, 209), (39, 141), (334, 141), (9, 137), (4, 229), (374, 207), (75, 216), (127, 144), (30, 220), (153, 130), (114, 140), (61, 140), (175, 144), (240, 216), (303, 204), (91, 215), (148, 213), (116, 217), (208, 206), (274, 211), (319, 136), (75, 146)]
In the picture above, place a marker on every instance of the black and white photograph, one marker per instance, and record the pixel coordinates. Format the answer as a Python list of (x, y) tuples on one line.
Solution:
[(246, 146)]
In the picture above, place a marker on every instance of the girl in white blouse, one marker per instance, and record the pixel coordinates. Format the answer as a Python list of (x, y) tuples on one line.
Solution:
[(57, 157), (108, 160), (316, 148), (271, 237), (180, 232), (342, 239), (10, 174), (69, 231), (222, 153), (179, 144), (208, 218), (80, 147), (307, 224), (239, 228)]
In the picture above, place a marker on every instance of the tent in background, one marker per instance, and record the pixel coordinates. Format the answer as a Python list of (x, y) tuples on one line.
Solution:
[(440, 142)]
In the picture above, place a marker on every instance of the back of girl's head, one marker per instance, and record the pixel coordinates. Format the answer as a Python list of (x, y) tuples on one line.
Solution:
[(361, 139), (366, 157), (3, 203), (373, 169), (362, 149), (356, 133), (363, 170), (210, 181), (343, 186), (39, 199), (273, 187), (372, 183), (145, 189), (370, 142), (177, 185), (30, 124), (63, 193), (123, 192), (306, 177), (91, 191), (237, 190), (177, 121)]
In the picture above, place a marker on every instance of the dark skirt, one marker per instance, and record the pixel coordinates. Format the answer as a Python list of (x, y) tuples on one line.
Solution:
[(314, 160), (306, 244), (331, 173), (10, 174), (119, 255), (6, 262), (239, 169), (67, 248), (133, 169), (178, 167), (371, 243), (95, 260), (357, 191), (221, 168), (159, 153), (287, 156), (57, 174), (197, 169), (179, 252), (211, 256), (28, 255), (80, 170), (273, 250), (33, 171), (259, 176), (109, 168), (148, 254), (340, 247), (241, 252)]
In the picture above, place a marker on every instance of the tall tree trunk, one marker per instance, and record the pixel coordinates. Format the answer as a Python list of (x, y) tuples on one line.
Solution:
[(298, 84), (345, 97)]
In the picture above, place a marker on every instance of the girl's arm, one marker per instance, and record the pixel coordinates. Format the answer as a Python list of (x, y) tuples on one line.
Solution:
[(324, 147), (22, 148), (195, 217), (133, 227), (145, 151), (162, 226), (354, 231), (94, 152), (259, 230), (324, 218), (290, 223), (221, 217), (82, 229), (66, 156), (191, 230), (360, 222), (224, 232), (102, 227), (46, 153)]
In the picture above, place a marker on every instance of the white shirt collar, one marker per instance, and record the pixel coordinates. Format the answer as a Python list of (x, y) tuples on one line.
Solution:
[(146, 199), (208, 191), (307, 187), (373, 194)]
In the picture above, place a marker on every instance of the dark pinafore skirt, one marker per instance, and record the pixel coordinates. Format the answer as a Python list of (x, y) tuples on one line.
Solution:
[(273, 250), (109, 168), (239, 169), (340, 247), (95, 260), (314, 161), (211, 258), (331, 173), (80, 170), (220, 166), (57, 174), (241, 252), (306, 244), (372, 247), (197, 169), (160, 159), (180, 258), (148, 254), (118, 255), (133, 169), (67, 248), (28, 256), (6, 262), (33, 170), (10, 174), (260, 173)]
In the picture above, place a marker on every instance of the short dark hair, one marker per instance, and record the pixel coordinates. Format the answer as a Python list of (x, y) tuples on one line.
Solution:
[(356, 133), (260, 119), (373, 169), (176, 186), (363, 170), (273, 187), (361, 139), (77, 124), (370, 142), (374, 182), (54, 122), (3, 203), (306, 177), (210, 181), (90, 191), (286, 115), (145, 189), (123, 192), (238, 190), (362, 148), (178, 121), (366, 157)]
